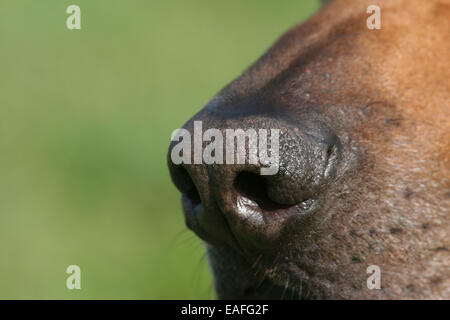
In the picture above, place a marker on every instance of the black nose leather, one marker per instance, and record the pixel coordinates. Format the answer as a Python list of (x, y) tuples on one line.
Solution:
[(234, 203)]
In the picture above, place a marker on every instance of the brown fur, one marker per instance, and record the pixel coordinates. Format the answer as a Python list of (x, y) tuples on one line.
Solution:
[(386, 94)]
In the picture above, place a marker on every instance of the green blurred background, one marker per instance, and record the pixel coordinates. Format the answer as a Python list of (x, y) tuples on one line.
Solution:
[(85, 123)]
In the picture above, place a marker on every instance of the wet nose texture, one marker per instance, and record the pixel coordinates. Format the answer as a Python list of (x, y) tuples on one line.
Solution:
[(235, 204)]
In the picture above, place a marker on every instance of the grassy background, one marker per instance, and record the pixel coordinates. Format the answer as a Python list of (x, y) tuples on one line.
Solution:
[(85, 122)]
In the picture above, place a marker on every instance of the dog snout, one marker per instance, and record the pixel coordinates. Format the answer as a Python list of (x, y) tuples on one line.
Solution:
[(244, 190)]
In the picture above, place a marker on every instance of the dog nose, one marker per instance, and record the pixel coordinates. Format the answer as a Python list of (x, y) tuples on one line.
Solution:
[(245, 190)]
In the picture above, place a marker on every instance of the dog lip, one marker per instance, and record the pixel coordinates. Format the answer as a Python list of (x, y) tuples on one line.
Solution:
[(192, 210), (265, 289)]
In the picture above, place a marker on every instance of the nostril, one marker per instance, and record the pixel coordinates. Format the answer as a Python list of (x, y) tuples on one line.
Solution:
[(332, 156), (254, 187)]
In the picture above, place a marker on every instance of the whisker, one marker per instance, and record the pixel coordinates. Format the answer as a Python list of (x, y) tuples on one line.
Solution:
[(286, 285)]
